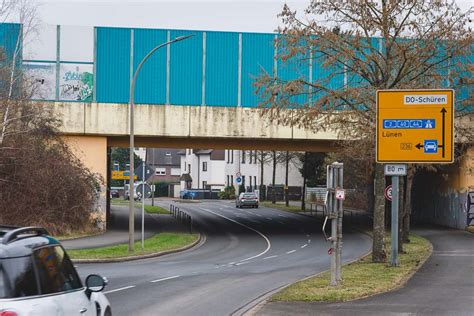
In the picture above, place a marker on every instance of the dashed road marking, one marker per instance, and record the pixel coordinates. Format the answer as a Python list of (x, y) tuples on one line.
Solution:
[(270, 257), (164, 279), (304, 246), (120, 289), (291, 251)]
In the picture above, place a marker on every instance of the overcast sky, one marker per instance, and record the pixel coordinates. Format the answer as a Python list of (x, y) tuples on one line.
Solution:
[(222, 15)]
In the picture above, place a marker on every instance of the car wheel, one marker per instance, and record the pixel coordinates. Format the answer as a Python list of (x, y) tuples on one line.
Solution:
[(108, 312)]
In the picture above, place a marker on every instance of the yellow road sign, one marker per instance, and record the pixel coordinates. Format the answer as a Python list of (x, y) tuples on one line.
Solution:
[(415, 126), (121, 175)]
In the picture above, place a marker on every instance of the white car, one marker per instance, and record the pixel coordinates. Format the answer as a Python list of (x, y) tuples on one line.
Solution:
[(38, 278)]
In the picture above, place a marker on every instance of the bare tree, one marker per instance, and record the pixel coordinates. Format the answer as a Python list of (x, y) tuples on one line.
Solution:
[(42, 182), (27, 16), (360, 47)]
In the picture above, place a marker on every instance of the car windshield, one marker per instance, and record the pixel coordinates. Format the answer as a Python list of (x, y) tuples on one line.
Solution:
[(17, 277), (250, 196)]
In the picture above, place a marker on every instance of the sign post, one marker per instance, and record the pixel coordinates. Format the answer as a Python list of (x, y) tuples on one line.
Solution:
[(392, 194), (413, 126), (335, 198)]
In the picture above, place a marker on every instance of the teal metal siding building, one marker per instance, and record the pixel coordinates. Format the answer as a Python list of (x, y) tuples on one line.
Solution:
[(211, 68)]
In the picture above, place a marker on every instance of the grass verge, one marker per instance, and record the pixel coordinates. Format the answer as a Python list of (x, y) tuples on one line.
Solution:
[(157, 243), (361, 278), (155, 209), (148, 208), (283, 207)]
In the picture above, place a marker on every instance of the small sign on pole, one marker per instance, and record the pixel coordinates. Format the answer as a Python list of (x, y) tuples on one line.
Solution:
[(388, 193), (395, 170), (340, 194)]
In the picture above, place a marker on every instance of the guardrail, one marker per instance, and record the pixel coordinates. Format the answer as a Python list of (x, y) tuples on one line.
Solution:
[(182, 217)]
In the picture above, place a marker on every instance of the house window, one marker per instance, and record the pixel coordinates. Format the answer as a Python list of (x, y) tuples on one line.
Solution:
[(232, 156), (231, 180), (204, 184), (175, 171), (255, 181), (250, 179), (204, 166), (160, 171), (168, 153), (243, 156), (228, 180), (243, 180), (189, 168)]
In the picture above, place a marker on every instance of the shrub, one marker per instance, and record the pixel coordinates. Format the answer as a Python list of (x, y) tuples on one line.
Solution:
[(228, 193)]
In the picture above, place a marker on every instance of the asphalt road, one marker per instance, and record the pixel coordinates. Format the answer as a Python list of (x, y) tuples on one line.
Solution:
[(247, 254)]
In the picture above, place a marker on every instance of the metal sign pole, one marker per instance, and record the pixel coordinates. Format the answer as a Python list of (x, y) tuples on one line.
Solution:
[(330, 186), (340, 212), (394, 242), (143, 205)]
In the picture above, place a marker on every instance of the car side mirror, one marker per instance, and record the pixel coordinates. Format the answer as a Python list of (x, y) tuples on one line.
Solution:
[(95, 283)]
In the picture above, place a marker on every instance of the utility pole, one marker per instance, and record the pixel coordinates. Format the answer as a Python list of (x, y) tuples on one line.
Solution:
[(334, 203)]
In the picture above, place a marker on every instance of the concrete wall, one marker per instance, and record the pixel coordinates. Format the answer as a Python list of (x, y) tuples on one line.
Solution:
[(92, 151), (441, 198), (186, 126)]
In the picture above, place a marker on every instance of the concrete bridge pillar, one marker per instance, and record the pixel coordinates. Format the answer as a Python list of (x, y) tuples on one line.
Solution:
[(92, 151)]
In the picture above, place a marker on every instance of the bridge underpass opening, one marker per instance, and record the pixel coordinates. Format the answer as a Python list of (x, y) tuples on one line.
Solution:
[(191, 165)]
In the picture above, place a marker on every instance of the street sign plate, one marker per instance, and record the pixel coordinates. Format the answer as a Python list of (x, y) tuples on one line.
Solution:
[(148, 172), (340, 194), (238, 180), (388, 193), (121, 175), (395, 170), (415, 126)]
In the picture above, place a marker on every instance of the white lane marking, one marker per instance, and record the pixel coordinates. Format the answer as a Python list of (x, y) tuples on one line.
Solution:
[(453, 255), (269, 218), (231, 263), (281, 222), (281, 215), (238, 264), (164, 279), (291, 251), (309, 241), (257, 214), (269, 245), (269, 257), (304, 246), (120, 289)]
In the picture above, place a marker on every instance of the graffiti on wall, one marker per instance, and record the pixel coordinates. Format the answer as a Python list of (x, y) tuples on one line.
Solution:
[(41, 79), (76, 82), (470, 208)]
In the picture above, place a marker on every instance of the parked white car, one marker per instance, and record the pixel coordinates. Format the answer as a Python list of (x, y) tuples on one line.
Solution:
[(38, 278)]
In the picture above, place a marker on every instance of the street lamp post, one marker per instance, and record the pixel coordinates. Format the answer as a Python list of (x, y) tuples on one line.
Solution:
[(131, 210)]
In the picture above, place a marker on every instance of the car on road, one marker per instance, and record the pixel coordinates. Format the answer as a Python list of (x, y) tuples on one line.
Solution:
[(137, 195), (249, 199), (114, 194), (38, 278)]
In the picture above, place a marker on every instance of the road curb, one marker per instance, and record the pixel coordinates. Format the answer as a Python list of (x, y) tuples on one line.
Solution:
[(201, 240)]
